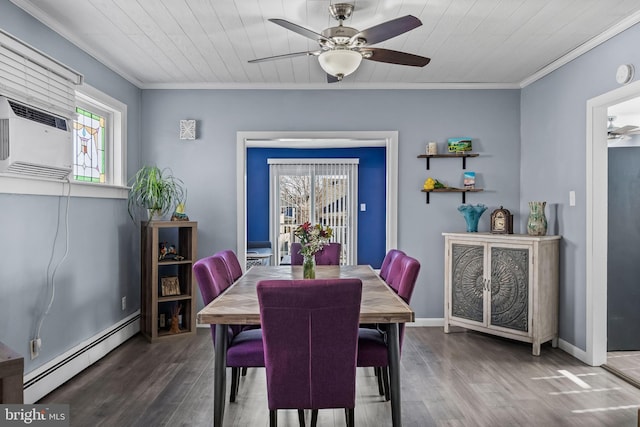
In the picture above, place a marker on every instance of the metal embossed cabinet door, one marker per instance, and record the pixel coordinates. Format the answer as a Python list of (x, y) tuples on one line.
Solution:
[(510, 288), (467, 290)]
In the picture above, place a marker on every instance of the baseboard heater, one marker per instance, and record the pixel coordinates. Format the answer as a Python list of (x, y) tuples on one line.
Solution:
[(43, 380)]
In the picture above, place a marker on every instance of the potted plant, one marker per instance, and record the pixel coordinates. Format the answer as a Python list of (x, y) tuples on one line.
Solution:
[(154, 189)]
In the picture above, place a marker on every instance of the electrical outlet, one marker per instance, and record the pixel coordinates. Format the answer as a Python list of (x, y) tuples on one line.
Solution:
[(124, 303), (34, 347)]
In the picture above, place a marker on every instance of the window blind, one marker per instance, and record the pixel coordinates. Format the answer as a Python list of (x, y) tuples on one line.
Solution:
[(317, 190), (30, 76)]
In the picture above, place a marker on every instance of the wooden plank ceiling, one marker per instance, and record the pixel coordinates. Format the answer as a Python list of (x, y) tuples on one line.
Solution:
[(173, 43)]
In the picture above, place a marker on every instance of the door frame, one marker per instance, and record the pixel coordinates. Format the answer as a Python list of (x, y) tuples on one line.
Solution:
[(596, 219), (327, 139)]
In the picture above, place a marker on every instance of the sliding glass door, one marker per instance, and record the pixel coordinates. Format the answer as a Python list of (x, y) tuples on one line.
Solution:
[(320, 191)]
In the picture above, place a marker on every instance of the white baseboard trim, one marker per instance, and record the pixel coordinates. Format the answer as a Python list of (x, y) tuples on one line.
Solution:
[(576, 352), (46, 378)]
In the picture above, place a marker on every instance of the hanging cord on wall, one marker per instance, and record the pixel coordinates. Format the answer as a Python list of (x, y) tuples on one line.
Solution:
[(55, 269)]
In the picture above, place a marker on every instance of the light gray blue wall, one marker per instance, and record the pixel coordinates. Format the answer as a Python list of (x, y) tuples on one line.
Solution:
[(553, 160), (103, 261), (208, 164)]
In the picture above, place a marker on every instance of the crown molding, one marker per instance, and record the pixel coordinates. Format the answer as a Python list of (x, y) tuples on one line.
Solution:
[(38, 14), (621, 26), (332, 86)]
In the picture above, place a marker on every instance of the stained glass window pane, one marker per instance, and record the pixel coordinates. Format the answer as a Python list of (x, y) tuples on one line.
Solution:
[(89, 146)]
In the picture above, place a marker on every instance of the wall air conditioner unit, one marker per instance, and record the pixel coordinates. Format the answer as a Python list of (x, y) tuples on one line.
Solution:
[(33, 142)]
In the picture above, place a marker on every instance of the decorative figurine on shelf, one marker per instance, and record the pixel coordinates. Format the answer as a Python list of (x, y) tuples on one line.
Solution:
[(162, 251), (175, 322), (167, 252), (179, 214), (472, 214)]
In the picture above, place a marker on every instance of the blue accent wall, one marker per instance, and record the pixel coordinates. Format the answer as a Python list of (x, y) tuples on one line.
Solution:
[(371, 190)]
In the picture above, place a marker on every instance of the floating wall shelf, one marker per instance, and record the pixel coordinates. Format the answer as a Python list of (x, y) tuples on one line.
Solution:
[(462, 156)]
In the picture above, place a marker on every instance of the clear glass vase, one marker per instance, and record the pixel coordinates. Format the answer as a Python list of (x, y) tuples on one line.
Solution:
[(309, 267)]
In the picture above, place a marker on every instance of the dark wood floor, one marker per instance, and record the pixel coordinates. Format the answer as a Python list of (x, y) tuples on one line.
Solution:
[(458, 379), (625, 364)]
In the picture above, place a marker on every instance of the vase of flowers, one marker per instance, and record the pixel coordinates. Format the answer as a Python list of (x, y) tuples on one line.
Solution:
[(312, 239)]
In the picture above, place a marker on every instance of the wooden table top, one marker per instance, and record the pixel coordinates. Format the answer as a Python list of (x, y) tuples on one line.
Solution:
[(238, 305)]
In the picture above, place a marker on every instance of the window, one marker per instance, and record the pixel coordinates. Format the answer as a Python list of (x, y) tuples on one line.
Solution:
[(99, 134), (321, 191), (89, 146), (98, 139)]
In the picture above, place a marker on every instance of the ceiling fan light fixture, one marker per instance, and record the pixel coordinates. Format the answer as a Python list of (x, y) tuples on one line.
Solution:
[(340, 62)]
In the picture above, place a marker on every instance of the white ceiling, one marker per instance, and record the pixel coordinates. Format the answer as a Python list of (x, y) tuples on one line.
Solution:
[(207, 43)]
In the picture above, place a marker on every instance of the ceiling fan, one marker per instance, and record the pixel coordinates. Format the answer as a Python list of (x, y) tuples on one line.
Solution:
[(341, 49), (614, 132)]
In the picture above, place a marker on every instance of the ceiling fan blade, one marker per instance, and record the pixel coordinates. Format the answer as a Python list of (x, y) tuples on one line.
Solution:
[(393, 57), (300, 30), (388, 29), (286, 55), (624, 130)]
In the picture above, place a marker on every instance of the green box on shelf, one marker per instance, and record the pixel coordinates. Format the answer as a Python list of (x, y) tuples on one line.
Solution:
[(457, 145)]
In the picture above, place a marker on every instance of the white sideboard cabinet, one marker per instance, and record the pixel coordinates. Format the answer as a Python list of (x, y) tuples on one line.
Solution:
[(503, 284)]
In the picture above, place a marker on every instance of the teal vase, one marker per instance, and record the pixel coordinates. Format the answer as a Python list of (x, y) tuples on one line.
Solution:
[(472, 214), (537, 221)]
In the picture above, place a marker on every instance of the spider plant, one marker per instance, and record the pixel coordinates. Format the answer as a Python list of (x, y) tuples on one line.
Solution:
[(154, 189)]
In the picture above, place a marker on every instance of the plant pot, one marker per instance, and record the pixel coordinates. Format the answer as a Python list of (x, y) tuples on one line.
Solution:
[(154, 215)]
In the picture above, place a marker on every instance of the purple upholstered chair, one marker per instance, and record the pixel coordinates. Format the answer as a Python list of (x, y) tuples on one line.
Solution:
[(395, 271), (372, 347), (388, 261), (244, 346), (329, 255), (310, 332), (296, 256), (231, 262)]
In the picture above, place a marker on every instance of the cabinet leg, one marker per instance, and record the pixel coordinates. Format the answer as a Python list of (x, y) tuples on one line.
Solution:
[(554, 342), (536, 348), (446, 327)]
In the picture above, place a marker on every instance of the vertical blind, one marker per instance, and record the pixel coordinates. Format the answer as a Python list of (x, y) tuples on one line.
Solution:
[(322, 191), (30, 76)]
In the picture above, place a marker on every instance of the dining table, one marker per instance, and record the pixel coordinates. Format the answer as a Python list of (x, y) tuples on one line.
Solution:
[(238, 305)]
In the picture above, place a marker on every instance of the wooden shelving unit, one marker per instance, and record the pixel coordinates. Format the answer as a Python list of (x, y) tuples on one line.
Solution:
[(156, 308)]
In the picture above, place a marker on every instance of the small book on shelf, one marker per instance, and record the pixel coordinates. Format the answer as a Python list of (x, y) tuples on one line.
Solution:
[(469, 180)]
